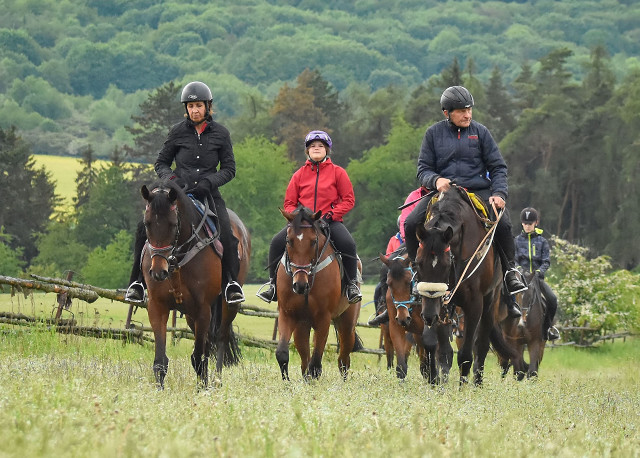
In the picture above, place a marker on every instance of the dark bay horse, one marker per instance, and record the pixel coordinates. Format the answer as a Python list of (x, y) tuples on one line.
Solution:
[(433, 346), (310, 296), (183, 272), (527, 330), (457, 265)]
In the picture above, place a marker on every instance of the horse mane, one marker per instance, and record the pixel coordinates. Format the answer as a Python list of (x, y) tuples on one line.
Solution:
[(162, 205), (396, 269), (448, 210), (302, 215)]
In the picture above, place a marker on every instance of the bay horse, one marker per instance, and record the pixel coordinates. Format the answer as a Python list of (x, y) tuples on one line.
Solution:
[(433, 346), (183, 272), (527, 330), (457, 265), (311, 296)]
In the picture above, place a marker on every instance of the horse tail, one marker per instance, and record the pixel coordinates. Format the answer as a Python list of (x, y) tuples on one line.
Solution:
[(232, 353), (500, 345)]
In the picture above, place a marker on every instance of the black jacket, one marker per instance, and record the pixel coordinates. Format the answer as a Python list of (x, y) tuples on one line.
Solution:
[(208, 156)]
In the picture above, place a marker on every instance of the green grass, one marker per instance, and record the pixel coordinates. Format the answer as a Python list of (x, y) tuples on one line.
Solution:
[(63, 395)]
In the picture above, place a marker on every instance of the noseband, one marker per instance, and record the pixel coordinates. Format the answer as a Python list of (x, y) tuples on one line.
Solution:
[(315, 265)]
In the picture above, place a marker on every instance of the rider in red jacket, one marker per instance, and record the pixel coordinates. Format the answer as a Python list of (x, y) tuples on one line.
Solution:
[(319, 185)]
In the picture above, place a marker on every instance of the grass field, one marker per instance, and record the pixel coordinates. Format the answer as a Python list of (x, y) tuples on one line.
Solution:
[(69, 396)]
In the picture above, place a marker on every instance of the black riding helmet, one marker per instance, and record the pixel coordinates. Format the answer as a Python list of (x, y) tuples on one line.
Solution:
[(456, 97), (194, 92), (529, 215)]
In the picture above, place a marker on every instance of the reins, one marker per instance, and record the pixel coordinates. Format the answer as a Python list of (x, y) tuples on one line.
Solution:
[(490, 232)]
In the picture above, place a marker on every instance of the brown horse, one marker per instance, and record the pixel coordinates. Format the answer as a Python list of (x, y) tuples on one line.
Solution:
[(434, 347), (456, 264), (183, 272), (310, 296), (527, 330)]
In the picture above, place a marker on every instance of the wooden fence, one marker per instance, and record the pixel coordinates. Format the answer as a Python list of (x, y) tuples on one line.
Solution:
[(67, 289)]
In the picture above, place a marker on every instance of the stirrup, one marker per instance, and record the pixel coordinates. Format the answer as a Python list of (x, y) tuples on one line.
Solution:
[(357, 295), (233, 297), (553, 333), (135, 288), (264, 294)]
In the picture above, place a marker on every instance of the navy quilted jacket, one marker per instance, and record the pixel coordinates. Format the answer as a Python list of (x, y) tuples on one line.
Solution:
[(532, 251)]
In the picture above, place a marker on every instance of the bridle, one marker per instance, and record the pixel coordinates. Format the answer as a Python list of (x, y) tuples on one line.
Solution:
[(316, 264), (171, 253), (408, 304)]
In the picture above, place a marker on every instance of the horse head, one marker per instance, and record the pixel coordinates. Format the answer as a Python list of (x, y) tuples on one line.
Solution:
[(434, 259), (399, 281), (304, 246), (162, 225)]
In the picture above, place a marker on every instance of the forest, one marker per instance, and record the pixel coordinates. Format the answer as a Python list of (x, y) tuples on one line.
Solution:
[(557, 83)]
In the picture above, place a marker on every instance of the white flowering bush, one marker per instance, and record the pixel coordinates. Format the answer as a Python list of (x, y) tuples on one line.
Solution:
[(590, 294)]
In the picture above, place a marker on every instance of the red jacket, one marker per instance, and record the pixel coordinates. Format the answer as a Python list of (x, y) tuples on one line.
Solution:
[(324, 186)]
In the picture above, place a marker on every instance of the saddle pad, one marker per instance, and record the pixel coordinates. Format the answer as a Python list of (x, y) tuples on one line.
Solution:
[(210, 225)]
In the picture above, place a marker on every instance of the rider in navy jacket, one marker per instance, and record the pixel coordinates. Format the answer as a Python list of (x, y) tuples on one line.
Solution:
[(462, 151)]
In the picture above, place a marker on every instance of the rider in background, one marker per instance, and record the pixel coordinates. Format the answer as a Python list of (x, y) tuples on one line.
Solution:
[(203, 154), (462, 151), (319, 185), (532, 255)]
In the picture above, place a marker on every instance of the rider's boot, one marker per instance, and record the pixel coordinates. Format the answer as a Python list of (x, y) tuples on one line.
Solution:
[(135, 292), (353, 292), (513, 281), (233, 293), (380, 319), (552, 333), (268, 294)]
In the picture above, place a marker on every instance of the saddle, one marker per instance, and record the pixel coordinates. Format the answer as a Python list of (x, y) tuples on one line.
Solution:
[(210, 225)]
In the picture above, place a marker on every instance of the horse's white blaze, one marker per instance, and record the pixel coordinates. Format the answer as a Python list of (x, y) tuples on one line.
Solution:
[(300, 237), (435, 262)]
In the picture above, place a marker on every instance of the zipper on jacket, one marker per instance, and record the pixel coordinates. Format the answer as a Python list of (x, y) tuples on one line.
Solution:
[(458, 133), (315, 191)]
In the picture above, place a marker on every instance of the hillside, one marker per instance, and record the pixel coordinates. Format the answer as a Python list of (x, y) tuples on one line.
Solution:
[(73, 72)]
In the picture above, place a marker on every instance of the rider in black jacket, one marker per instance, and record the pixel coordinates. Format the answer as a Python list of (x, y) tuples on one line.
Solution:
[(203, 154)]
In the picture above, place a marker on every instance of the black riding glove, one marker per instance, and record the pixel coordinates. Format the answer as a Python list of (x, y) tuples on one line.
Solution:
[(201, 191), (328, 217), (540, 274)]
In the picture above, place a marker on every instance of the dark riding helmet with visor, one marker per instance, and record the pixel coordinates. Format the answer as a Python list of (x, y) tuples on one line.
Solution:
[(197, 91), (455, 98), (529, 215), (318, 135)]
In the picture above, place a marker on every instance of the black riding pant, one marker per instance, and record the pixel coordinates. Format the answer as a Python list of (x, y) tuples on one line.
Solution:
[(503, 236), (552, 303), (341, 238)]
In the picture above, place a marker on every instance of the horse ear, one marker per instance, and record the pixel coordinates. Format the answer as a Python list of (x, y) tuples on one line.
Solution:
[(288, 216), (447, 235), (145, 192), (173, 195)]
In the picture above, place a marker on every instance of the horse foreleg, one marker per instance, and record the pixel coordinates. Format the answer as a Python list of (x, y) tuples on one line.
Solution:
[(199, 359), (158, 319), (285, 328), (320, 335), (536, 350), (388, 345), (346, 326), (465, 354), (445, 350)]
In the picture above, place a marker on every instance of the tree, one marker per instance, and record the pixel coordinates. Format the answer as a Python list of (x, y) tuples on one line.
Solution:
[(11, 263), (28, 194), (112, 207), (159, 112), (109, 267), (500, 116), (59, 250), (85, 178)]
